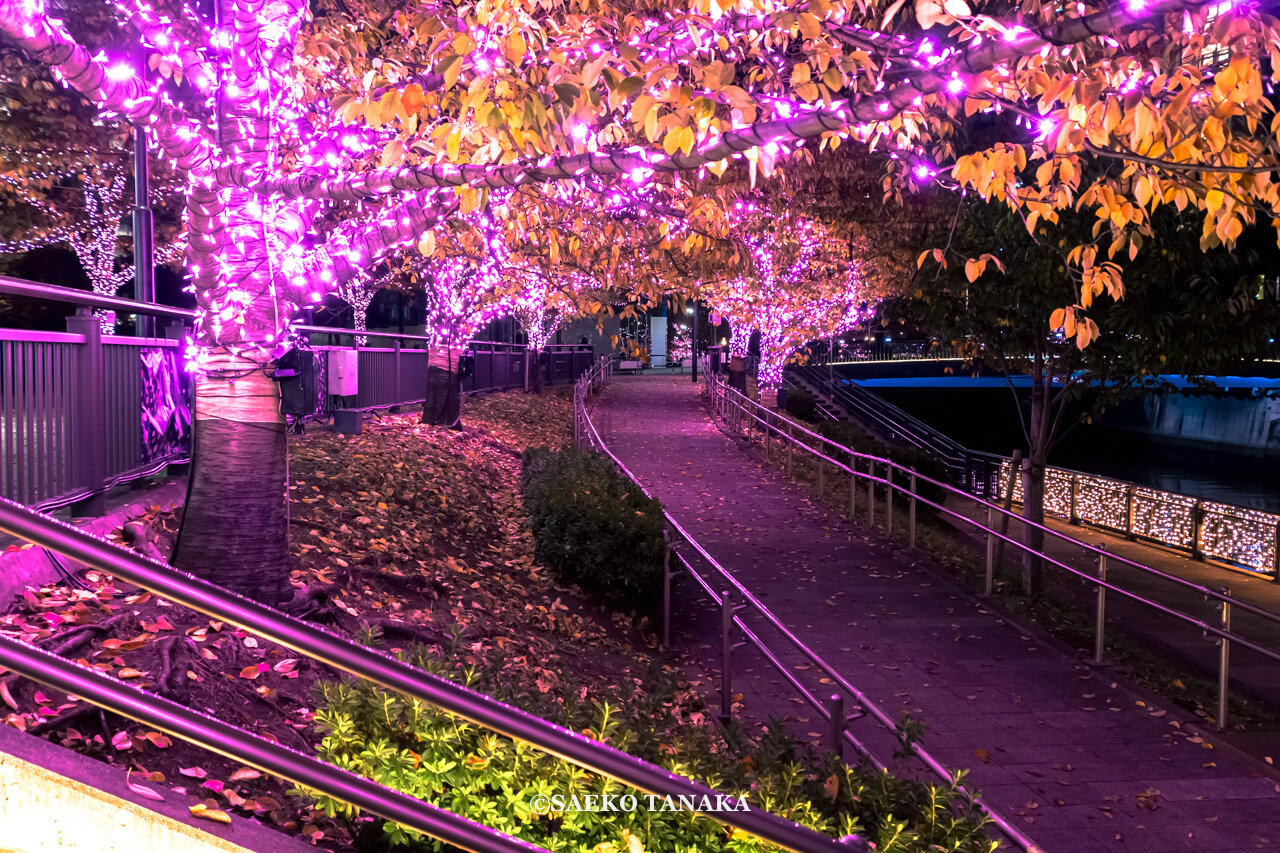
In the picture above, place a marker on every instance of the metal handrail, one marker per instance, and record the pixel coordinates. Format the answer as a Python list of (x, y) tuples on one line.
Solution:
[(246, 748), (55, 293), (388, 672), (1227, 602), (585, 430), (963, 462)]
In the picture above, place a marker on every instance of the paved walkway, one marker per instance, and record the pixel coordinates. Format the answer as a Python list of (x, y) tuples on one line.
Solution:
[(1079, 762)]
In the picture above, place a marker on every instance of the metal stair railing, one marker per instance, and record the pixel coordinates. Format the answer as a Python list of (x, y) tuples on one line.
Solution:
[(746, 414), (384, 670), (734, 601), (249, 749)]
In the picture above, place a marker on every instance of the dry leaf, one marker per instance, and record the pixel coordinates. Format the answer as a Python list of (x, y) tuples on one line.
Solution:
[(193, 772), (244, 773), (158, 740), (984, 754), (203, 811)]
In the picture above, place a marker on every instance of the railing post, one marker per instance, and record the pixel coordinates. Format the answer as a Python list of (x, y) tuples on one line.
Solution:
[(89, 412), (871, 493), (1224, 661), (1197, 530), (853, 486), (835, 736), (1075, 497), (911, 513), (399, 392), (989, 582), (790, 446), (726, 656), (1128, 512), (1275, 554), (666, 588), (1100, 612), (888, 499), (822, 468)]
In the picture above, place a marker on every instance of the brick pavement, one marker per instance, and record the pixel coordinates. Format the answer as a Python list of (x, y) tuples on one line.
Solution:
[(1078, 761)]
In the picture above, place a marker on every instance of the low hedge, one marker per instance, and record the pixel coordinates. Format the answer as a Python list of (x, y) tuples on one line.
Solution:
[(594, 528)]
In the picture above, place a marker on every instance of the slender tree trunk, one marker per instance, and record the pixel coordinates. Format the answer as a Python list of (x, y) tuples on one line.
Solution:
[(536, 379), (1033, 477), (738, 373), (442, 405), (235, 522)]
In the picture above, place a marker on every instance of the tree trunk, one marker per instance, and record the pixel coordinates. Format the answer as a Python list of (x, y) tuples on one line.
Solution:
[(1033, 512), (442, 405), (239, 478), (1033, 476), (738, 373), (536, 378)]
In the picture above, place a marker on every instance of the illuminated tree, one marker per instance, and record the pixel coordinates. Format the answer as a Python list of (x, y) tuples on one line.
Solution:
[(803, 285), (544, 302), (315, 145)]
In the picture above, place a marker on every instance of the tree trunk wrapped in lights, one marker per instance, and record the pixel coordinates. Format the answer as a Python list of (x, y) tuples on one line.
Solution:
[(739, 343)]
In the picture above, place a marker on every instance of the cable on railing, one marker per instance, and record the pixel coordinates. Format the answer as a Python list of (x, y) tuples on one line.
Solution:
[(246, 748), (1007, 828), (382, 669)]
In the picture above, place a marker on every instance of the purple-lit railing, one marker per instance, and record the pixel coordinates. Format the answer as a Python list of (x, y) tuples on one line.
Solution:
[(377, 667), (737, 604), (81, 412)]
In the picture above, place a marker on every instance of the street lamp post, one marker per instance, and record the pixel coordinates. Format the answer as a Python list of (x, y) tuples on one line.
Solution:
[(694, 349)]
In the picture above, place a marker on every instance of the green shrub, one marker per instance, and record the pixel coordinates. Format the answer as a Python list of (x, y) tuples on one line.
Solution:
[(431, 755), (593, 527), (923, 462), (802, 404)]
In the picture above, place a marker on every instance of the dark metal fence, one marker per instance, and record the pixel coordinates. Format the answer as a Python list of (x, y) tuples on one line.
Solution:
[(81, 412)]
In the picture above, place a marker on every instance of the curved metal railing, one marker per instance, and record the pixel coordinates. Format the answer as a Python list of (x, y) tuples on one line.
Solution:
[(734, 598), (741, 411), (382, 669)]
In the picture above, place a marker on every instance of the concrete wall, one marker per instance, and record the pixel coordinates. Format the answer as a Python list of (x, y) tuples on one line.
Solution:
[(52, 799), (1251, 425)]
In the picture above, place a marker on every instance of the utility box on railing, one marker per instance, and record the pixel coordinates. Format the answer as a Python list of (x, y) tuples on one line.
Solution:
[(344, 372)]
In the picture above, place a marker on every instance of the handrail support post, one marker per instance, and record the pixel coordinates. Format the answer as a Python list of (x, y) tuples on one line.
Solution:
[(911, 513), (835, 735), (1100, 612), (726, 656), (1224, 661), (989, 581)]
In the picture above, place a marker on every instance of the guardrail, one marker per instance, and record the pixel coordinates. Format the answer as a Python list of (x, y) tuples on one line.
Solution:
[(360, 661), (82, 412), (860, 352), (735, 602), (892, 480), (1242, 537)]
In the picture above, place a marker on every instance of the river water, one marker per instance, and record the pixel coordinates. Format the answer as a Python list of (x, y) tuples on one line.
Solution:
[(986, 419)]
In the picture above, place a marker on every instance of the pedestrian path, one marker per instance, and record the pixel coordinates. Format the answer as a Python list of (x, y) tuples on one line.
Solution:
[(1077, 761)]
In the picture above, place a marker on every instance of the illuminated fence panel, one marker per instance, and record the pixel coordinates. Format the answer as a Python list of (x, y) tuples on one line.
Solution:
[(1102, 502), (1238, 535), (1164, 517), (1057, 492)]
